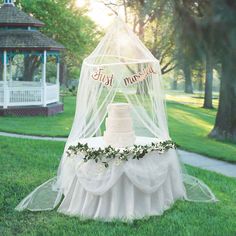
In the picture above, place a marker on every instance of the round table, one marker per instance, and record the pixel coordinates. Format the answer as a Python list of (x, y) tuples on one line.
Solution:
[(128, 190)]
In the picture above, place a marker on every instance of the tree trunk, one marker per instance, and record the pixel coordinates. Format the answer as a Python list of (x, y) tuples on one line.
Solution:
[(30, 65), (225, 124), (174, 84), (188, 79), (200, 79), (208, 82), (200, 85), (142, 87), (28, 73), (141, 29), (63, 72)]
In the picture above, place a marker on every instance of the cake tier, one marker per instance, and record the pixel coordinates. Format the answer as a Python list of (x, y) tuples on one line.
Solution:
[(119, 124), (120, 110), (119, 140)]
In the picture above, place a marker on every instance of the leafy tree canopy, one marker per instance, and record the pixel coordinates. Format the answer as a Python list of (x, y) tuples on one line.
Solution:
[(68, 25)]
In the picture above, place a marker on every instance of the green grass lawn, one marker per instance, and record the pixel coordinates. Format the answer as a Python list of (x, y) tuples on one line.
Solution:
[(58, 125), (24, 164), (189, 126), (195, 99)]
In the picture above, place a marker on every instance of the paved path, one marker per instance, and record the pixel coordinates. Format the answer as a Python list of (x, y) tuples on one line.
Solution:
[(32, 137), (207, 163), (189, 158)]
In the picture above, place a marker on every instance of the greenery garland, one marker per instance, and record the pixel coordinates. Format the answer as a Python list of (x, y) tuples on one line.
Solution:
[(107, 154)]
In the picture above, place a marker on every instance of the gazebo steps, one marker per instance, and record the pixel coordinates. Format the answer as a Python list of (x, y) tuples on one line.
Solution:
[(49, 110)]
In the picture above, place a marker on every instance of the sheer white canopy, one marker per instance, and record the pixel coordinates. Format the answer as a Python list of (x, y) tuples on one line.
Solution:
[(120, 69)]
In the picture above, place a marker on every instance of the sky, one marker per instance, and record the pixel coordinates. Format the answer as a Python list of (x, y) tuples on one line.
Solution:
[(101, 14)]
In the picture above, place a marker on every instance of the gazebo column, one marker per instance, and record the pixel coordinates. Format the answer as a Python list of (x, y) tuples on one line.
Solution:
[(44, 84), (58, 79), (10, 64), (5, 85)]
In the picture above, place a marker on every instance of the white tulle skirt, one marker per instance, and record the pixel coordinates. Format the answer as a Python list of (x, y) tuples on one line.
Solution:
[(123, 200), (128, 190)]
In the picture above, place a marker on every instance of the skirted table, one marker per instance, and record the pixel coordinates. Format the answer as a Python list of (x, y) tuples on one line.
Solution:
[(130, 189)]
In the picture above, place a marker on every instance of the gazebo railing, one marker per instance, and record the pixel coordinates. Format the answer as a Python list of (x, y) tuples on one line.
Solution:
[(19, 96), (24, 84), (1, 95), (25, 93)]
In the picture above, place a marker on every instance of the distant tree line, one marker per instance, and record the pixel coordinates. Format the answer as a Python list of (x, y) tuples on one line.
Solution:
[(196, 37), (207, 35)]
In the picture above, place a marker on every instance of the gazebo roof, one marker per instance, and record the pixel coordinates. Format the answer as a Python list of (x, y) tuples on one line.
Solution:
[(12, 16), (27, 40), (16, 32)]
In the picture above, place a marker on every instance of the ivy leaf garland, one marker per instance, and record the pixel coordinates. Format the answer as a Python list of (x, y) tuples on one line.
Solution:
[(107, 154)]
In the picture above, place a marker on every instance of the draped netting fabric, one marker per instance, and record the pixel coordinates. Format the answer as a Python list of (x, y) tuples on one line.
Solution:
[(120, 69)]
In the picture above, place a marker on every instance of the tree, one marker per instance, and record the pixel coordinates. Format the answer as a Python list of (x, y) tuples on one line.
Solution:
[(68, 25), (188, 85), (224, 26), (208, 81), (31, 63), (206, 15), (177, 76), (188, 48), (198, 74), (225, 124), (218, 22), (145, 18), (150, 20)]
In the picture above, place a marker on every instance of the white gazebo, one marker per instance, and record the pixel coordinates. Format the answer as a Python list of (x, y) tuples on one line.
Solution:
[(27, 94)]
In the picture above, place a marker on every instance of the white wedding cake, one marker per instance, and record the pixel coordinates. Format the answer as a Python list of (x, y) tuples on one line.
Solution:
[(119, 127)]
